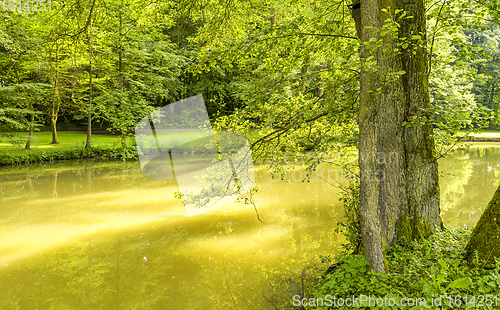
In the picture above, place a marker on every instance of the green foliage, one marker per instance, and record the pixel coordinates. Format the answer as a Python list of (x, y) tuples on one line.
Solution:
[(487, 63), (133, 75), (293, 86), (350, 226), (17, 112), (457, 51), (125, 47), (427, 268), (14, 119)]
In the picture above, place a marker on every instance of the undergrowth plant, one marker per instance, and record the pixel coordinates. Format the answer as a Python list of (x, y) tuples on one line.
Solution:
[(350, 227), (431, 272)]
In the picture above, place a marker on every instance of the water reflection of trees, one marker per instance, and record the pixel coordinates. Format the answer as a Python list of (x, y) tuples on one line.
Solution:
[(153, 269), (222, 260), (269, 277), (25, 192), (465, 194)]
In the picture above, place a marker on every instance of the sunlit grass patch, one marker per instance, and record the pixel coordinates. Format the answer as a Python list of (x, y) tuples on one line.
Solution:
[(71, 145)]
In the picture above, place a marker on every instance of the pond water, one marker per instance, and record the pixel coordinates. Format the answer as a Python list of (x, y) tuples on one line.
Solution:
[(99, 235)]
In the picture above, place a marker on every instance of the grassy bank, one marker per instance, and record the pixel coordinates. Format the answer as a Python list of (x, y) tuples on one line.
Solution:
[(71, 146), (483, 137)]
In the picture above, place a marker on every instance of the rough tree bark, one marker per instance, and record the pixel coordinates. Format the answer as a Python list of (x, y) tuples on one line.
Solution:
[(399, 189)]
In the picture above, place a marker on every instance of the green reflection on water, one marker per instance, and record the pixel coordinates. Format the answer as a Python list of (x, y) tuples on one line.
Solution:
[(99, 235), (466, 193)]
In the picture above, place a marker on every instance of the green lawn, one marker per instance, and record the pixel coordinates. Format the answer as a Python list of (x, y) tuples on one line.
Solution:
[(487, 136), (71, 145), (67, 140)]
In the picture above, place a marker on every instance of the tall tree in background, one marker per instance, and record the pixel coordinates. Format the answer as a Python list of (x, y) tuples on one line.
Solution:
[(487, 63), (81, 34), (137, 65), (88, 143), (399, 189), (58, 62), (55, 53), (21, 88)]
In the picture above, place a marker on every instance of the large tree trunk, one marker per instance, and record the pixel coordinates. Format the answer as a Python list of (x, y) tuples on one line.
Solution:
[(422, 178), (485, 238), (399, 190)]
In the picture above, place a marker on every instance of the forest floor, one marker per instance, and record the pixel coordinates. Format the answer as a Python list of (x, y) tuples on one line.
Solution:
[(431, 272)]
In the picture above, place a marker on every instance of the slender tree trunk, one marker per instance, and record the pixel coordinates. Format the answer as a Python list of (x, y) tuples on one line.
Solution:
[(56, 102), (123, 129), (493, 85), (53, 127), (303, 72), (88, 144), (399, 190), (492, 95), (321, 86), (32, 119), (272, 19), (28, 143)]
